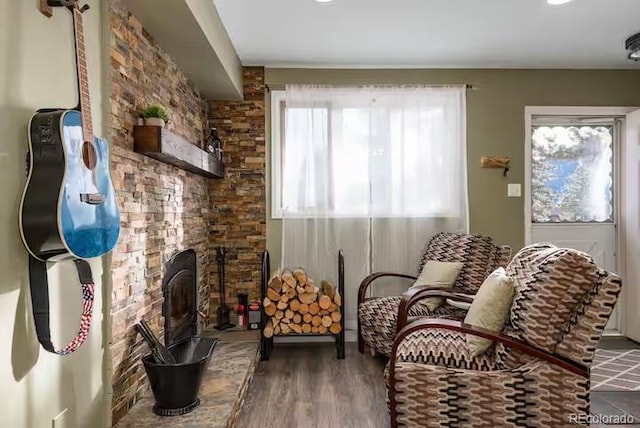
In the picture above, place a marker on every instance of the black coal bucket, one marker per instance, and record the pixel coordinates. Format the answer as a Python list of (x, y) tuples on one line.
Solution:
[(176, 386)]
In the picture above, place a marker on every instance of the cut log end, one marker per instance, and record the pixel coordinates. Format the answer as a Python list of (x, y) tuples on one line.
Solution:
[(288, 278), (270, 310), (308, 298), (324, 302), (326, 321), (314, 308), (273, 295), (335, 328), (303, 308), (327, 289), (275, 283), (268, 330), (301, 276), (337, 299)]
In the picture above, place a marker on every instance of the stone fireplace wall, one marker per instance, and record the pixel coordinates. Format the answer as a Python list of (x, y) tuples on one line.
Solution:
[(164, 209), (238, 202)]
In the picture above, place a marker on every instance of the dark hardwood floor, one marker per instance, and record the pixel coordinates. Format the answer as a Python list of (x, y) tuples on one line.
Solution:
[(617, 342), (615, 403), (305, 386)]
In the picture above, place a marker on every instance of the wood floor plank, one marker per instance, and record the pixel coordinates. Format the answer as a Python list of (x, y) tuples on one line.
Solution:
[(306, 386), (623, 402)]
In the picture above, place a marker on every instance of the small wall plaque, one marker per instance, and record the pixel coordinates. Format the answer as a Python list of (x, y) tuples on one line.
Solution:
[(500, 162)]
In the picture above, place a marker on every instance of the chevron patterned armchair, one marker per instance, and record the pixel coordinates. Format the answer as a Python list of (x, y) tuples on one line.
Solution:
[(537, 372), (377, 316)]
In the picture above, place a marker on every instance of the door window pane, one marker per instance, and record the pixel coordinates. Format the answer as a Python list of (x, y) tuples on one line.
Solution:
[(572, 174)]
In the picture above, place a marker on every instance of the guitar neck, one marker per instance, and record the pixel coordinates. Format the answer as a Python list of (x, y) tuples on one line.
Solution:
[(83, 77)]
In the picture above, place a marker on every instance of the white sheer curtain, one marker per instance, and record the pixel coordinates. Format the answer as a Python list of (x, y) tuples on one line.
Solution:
[(374, 171)]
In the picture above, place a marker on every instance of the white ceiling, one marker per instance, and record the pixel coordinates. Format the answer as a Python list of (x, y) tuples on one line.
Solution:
[(432, 33)]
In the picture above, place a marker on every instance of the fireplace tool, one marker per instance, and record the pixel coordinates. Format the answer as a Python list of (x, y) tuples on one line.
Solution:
[(159, 352), (224, 311)]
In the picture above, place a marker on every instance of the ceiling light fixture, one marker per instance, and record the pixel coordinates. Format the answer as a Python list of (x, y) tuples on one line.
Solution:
[(324, 1), (557, 2), (633, 44)]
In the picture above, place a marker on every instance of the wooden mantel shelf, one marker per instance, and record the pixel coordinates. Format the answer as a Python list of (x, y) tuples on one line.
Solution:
[(161, 144)]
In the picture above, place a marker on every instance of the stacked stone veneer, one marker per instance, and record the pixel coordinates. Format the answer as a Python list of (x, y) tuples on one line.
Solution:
[(238, 203), (164, 209)]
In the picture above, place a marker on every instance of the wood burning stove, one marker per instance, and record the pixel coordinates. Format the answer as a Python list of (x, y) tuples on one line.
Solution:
[(180, 290), (176, 378)]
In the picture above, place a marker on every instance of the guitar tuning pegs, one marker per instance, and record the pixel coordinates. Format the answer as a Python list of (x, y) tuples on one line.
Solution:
[(84, 8)]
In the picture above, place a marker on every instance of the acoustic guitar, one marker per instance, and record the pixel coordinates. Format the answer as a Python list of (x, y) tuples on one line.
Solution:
[(68, 205)]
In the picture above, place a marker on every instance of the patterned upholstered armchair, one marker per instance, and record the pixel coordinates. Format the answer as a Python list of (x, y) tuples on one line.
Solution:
[(377, 316), (536, 375)]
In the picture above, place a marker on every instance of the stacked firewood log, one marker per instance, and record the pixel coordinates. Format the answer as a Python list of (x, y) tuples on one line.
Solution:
[(294, 305)]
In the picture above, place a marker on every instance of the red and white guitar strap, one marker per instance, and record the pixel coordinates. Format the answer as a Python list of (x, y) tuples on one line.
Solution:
[(39, 286)]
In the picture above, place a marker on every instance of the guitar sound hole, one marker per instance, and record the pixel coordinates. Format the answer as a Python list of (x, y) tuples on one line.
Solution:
[(89, 155)]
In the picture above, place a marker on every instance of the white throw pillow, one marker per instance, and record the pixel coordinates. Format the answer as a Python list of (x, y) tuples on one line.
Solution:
[(437, 275), (490, 309)]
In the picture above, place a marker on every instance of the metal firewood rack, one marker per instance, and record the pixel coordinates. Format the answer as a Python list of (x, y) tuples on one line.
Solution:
[(266, 344)]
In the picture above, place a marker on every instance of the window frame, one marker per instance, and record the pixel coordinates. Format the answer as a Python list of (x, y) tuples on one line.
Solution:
[(277, 126), (277, 110)]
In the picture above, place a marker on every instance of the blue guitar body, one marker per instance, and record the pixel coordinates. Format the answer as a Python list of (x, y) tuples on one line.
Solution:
[(69, 204)]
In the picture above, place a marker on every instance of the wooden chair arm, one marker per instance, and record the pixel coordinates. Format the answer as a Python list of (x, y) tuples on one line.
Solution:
[(364, 285), (413, 296)]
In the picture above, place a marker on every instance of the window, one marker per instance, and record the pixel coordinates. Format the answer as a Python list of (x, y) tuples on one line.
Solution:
[(571, 173), (369, 152)]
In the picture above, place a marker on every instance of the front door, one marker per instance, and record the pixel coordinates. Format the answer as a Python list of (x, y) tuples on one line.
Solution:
[(572, 185), (630, 220)]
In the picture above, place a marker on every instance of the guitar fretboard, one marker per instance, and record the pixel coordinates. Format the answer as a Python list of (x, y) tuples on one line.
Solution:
[(83, 77)]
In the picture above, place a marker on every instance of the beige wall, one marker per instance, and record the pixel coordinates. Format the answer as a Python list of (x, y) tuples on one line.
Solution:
[(495, 125), (36, 70)]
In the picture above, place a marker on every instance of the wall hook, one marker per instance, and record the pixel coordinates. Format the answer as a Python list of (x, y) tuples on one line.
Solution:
[(496, 162), (46, 6)]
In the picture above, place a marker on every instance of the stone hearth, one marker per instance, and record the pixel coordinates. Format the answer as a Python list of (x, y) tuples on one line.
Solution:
[(223, 389)]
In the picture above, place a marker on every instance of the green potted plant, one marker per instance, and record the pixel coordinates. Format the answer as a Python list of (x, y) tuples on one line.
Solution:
[(155, 115)]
